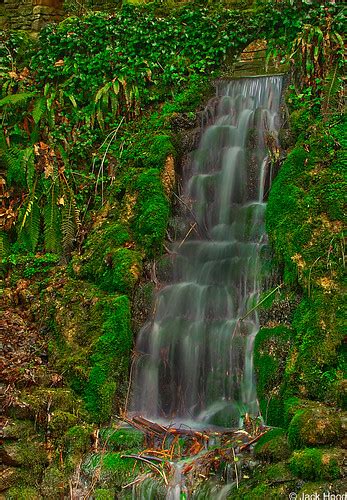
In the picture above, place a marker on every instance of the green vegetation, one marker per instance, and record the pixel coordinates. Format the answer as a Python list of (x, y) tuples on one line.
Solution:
[(271, 349), (313, 463), (88, 149), (273, 446)]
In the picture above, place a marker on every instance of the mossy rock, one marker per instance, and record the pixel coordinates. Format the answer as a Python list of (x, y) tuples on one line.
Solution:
[(319, 361), (104, 494), (24, 454), (60, 422), (315, 426), (8, 477), (275, 472), (78, 438), (53, 398), (23, 493), (110, 360), (317, 463), (17, 429), (273, 446), (30, 459), (270, 354), (112, 468), (121, 439), (324, 489), (54, 483), (151, 212)]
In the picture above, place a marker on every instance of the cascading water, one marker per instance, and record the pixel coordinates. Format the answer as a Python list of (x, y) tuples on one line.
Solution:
[(195, 355)]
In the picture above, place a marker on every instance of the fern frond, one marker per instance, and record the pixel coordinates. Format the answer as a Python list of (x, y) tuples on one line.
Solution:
[(100, 118), (4, 245), (28, 165), (13, 161), (20, 98), (331, 91), (29, 230), (40, 107), (68, 227), (52, 222)]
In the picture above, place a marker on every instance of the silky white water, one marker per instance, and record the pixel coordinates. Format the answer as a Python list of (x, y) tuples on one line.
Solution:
[(195, 354)]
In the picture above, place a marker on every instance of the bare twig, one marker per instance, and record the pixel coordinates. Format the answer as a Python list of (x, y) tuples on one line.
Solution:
[(261, 302), (186, 236)]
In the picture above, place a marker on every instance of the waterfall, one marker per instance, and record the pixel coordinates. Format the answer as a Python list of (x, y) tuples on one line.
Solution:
[(195, 355)]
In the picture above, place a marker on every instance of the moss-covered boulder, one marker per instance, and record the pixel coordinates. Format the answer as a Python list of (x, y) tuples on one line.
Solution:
[(304, 221), (325, 489), (104, 494), (108, 259), (270, 354), (318, 464), (113, 469), (314, 426), (23, 493), (273, 446), (119, 439), (269, 481)]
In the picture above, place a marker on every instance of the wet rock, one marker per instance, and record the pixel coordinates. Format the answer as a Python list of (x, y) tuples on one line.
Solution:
[(10, 455), (318, 464), (8, 476), (12, 429), (273, 447), (315, 425), (183, 121)]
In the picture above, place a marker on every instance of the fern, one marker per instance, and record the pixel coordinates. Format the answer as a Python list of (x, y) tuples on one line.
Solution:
[(331, 91), (29, 230), (51, 221), (28, 165), (4, 245), (20, 98), (13, 160), (70, 222), (40, 107), (68, 226)]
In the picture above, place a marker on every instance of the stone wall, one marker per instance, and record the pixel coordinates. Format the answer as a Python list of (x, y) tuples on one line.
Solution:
[(30, 15)]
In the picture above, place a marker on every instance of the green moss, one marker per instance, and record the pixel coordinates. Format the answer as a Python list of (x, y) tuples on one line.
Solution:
[(31, 459), (304, 221), (318, 322), (161, 147), (61, 399), (78, 438), (306, 197), (103, 494), (279, 471), (152, 212), (314, 426), (273, 446), (300, 120), (18, 429), (270, 353), (107, 262), (314, 463), (54, 483), (22, 493), (60, 422), (122, 439), (112, 469), (110, 359)]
